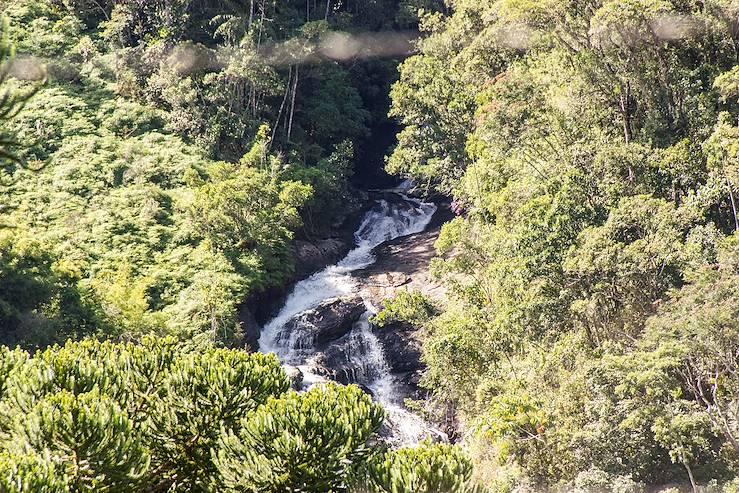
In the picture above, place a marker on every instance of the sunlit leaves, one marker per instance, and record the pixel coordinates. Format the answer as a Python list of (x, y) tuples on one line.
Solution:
[(303, 442), (426, 469)]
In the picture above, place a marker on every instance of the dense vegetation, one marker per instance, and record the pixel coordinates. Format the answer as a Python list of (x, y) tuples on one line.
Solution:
[(155, 416), (181, 146), (153, 182), (173, 149), (591, 336)]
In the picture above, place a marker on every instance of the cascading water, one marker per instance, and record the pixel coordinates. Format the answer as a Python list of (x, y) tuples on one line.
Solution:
[(360, 352)]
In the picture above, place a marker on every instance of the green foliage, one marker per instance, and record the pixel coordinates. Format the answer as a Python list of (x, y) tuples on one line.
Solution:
[(329, 180), (11, 102), (632, 259), (155, 415), (89, 436), (159, 235), (426, 469), (408, 306), (302, 442), (40, 302), (250, 214), (701, 320), (207, 395), (114, 417), (589, 148), (684, 433), (22, 472)]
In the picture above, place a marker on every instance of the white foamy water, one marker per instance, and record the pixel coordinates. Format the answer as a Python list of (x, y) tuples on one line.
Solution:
[(361, 354)]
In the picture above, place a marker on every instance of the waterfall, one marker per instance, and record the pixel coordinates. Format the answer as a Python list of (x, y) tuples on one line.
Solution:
[(359, 351)]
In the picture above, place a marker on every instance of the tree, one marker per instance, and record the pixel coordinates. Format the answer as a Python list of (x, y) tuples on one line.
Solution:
[(40, 301), (624, 266), (722, 150), (309, 442), (683, 432), (425, 469), (202, 399), (576, 141), (92, 441), (251, 214), (436, 110), (701, 319)]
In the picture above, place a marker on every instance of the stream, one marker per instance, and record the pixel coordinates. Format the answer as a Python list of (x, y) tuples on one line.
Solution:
[(365, 360)]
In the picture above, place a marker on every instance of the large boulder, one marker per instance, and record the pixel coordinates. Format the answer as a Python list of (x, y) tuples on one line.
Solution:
[(312, 256), (330, 320), (402, 428), (295, 375), (347, 360), (401, 345), (249, 327)]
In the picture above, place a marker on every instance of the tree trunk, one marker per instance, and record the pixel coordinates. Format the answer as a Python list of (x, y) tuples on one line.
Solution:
[(292, 104), (328, 7), (251, 13), (254, 101), (728, 433), (282, 105), (261, 25), (102, 9), (730, 186), (690, 476)]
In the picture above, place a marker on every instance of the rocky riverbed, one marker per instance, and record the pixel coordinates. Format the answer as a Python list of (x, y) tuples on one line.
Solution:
[(328, 329), (403, 264)]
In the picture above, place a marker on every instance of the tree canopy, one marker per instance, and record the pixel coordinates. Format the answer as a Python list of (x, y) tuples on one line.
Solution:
[(587, 338)]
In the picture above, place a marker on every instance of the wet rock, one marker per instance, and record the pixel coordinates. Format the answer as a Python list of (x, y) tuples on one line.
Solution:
[(403, 428), (345, 361), (401, 345), (388, 280), (409, 385), (330, 320), (295, 376), (312, 256), (366, 390), (249, 328), (331, 368)]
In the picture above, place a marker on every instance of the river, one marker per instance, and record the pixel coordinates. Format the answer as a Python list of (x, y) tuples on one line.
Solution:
[(387, 220)]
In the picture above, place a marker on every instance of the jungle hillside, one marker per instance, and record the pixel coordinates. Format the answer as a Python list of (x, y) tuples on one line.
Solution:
[(170, 170)]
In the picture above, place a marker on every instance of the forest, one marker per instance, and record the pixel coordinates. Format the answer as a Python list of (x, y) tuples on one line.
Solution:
[(161, 159)]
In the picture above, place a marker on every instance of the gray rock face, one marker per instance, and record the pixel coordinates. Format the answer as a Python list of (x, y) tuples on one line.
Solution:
[(249, 327), (391, 430), (330, 320), (402, 347), (295, 376), (313, 256), (343, 361)]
